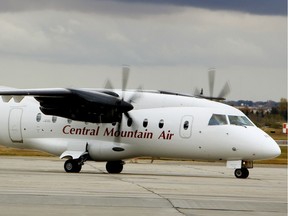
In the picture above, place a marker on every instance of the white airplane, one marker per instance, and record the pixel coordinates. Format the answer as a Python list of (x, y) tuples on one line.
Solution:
[(112, 126)]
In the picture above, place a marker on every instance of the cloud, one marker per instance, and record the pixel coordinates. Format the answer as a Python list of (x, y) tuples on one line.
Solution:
[(193, 37), (107, 7), (172, 42), (263, 7), (146, 7)]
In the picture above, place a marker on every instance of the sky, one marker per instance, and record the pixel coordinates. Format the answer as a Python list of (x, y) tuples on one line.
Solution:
[(169, 45)]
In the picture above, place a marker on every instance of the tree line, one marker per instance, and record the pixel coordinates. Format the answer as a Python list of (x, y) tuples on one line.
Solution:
[(273, 116)]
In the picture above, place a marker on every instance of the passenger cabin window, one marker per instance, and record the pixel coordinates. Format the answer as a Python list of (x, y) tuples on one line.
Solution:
[(38, 117), (161, 123), (218, 119), (240, 120), (145, 123), (186, 125)]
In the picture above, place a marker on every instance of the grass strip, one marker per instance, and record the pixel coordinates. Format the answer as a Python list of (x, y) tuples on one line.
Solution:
[(6, 151)]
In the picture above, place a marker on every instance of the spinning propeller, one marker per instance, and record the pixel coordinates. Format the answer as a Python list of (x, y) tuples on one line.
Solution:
[(223, 93), (108, 85), (125, 76)]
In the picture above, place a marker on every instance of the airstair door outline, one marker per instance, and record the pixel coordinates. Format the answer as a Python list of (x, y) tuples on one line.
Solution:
[(186, 126), (15, 131)]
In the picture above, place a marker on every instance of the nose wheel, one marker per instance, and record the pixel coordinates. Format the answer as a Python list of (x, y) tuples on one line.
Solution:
[(241, 173)]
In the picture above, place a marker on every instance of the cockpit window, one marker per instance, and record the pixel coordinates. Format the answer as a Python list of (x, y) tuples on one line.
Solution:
[(240, 120), (218, 119)]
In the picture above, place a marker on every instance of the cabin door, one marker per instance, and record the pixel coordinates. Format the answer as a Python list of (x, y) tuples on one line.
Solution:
[(15, 131), (186, 126)]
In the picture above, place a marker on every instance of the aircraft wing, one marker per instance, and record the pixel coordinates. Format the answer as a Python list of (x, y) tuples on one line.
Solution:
[(94, 106)]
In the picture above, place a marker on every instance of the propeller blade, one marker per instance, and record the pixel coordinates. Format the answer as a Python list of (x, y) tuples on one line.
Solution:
[(196, 92), (130, 121), (125, 76), (108, 85), (136, 95), (211, 81), (225, 90), (123, 106), (117, 139)]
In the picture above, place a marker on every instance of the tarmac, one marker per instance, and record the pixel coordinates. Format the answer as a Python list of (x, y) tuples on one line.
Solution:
[(40, 186)]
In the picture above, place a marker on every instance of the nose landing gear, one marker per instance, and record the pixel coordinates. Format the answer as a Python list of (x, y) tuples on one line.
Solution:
[(241, 168), (241, 173)]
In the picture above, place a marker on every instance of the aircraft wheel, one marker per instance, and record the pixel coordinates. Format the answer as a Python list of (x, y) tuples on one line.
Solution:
[(72, 166), (114, 167), (241, 173)]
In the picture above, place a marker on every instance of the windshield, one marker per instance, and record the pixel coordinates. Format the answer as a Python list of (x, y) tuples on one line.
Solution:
[(218, 119), (240, 120)]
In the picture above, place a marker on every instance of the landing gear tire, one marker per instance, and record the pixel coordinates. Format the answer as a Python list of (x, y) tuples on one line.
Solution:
[(72, 166), (241, 173), (114, 167)]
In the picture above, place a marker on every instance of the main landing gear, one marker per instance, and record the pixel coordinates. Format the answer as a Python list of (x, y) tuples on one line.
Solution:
[(114, 167), (75, 166)]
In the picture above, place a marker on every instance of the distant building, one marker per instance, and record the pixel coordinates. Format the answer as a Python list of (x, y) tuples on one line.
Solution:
[(285, 128)]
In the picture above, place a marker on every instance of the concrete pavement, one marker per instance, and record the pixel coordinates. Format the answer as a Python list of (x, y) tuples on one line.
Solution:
[(39, 186)]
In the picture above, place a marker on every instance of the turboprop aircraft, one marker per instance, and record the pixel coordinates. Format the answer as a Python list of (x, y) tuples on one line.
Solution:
[(114, 125)]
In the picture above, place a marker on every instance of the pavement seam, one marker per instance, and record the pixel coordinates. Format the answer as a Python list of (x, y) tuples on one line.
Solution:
[(153, 192), (143, 187)]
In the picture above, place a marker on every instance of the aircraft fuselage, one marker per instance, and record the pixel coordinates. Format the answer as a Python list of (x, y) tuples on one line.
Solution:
[(163, 126)]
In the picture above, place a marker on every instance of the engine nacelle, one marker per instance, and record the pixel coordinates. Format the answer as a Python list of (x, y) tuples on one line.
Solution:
[(108, 151)]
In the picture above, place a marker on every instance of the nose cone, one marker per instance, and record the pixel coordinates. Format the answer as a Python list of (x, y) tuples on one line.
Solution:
[(125, 106), (275, 150), (270, 149)]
